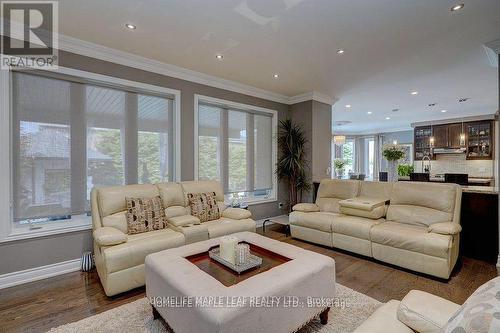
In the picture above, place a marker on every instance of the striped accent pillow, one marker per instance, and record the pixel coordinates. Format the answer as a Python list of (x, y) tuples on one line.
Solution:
[(204, 206)]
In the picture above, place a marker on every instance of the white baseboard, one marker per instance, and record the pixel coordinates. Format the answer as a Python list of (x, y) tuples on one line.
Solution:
[(38, 273)]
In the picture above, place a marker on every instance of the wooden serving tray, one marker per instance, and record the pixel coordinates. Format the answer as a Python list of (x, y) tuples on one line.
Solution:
[(227, 276)]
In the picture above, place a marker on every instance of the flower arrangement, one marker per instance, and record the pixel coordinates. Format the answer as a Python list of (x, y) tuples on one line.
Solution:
[(393, 152), (339, 164), (405, 169)]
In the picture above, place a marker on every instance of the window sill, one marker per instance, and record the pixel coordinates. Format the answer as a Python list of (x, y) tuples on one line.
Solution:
[(77, 223)]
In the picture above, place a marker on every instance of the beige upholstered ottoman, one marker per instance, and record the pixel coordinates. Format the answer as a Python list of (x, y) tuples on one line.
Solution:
[(192, 297)]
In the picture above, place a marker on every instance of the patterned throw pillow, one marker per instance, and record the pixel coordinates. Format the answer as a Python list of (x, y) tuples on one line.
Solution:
[(480, 313), (204, 206), (145, 214)]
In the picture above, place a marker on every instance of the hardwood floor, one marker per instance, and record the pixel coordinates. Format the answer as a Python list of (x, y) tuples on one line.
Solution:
[(41, 305)]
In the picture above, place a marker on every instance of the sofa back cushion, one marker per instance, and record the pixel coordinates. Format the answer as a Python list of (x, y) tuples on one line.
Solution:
[(112, 199), (331, 191), (116, 220), (379, 190), (203, 186), (171, 194), (422, 203)]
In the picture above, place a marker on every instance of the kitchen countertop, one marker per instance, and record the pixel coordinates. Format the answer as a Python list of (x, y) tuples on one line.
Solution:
[(467, 188), (441, 179)]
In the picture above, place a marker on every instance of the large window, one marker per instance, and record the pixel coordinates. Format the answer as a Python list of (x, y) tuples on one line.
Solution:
[(369, 157), (345, 152), (236, 146), (70, 135)]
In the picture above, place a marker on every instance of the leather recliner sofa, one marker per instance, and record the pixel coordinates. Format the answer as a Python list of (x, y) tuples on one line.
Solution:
[(408, 224), (120, 257)]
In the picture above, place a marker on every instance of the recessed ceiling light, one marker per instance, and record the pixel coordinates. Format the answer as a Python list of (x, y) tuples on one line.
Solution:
[(130, 26), (276, 76), (387, 118), (443, 111), (348, 106), (340, 51), (457, 7), (219, 56), (369, 112), (414, 93)]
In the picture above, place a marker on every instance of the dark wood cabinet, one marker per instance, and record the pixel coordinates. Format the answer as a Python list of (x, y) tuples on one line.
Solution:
[(454, 132), (440, 133), (479, 139)]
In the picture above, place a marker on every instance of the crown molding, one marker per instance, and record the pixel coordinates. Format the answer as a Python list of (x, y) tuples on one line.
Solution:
[(492, 51), (101, 52), (312, 96)]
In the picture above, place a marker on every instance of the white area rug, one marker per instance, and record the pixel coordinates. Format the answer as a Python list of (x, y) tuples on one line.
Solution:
[(137, 316)]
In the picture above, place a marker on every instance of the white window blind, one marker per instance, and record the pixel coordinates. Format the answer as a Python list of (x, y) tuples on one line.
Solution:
[(235, 147), (69, 136)]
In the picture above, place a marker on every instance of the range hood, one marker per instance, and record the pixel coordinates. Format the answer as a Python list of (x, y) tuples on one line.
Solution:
[(450, 150)]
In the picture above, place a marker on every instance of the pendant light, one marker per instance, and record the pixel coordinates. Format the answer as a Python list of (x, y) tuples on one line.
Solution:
[(462, 135), (339, 140)]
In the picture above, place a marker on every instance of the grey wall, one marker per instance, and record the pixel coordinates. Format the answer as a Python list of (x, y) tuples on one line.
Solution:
[(321, 140), (20, 255)]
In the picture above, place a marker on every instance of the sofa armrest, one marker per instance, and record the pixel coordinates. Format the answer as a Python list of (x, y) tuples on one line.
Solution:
[(236, 213), (107, 236), (445, 228), (424, 312), (183, 220), (306, 207)]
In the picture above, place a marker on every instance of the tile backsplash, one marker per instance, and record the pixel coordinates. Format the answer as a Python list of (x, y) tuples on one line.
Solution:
[(456, 163)]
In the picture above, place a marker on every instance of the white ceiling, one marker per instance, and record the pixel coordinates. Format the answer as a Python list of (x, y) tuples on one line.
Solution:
[(392, 47)]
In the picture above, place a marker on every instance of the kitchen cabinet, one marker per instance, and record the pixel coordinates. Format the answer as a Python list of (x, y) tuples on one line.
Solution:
[(480, 140), (440, 133), (454, 132)]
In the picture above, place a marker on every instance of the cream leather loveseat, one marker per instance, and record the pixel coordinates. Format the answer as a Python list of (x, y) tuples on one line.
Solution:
[(120, 257), (412, 225)]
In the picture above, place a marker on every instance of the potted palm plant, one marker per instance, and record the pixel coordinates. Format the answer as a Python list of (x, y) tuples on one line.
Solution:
[(292, 163)]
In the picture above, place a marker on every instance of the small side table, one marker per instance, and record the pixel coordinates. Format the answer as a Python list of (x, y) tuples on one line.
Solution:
[(283, 220)]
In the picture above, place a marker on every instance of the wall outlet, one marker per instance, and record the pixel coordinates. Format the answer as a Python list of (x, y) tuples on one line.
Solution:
[(280, 205)]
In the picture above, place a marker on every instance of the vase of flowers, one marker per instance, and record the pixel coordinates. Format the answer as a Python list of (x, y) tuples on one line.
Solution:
[(339, 167), (393, 153)]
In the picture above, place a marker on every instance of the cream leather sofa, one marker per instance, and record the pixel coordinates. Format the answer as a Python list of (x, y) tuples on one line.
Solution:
[(409, 224), (418, 312), (120, 257)]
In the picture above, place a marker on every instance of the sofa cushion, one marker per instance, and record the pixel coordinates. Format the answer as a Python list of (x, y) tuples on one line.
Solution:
[(174, 211), (306, 207), (137, 247), (374, 214), (340, 189), (412, 238), (480, 312), (380, 190), (117, 220), (113, 199), (204, 206), (384, 320), (172, 194), (445, 228), (145, 214), (358, 227), (203, 186), (236, 213), (316, 220), (107, 236), (183, 220), (417, 215), (330, 205), (225, 226), (424, 312), (422, 203)]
